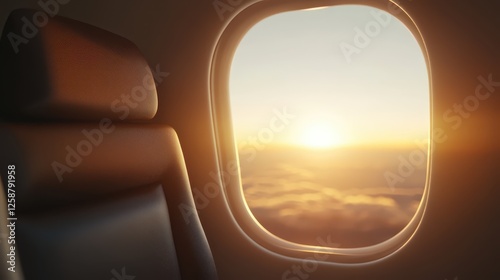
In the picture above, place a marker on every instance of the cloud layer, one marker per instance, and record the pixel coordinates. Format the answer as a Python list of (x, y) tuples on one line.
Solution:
[(300, 195)]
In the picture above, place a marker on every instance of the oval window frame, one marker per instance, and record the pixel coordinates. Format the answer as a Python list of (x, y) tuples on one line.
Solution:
[(235, 29)]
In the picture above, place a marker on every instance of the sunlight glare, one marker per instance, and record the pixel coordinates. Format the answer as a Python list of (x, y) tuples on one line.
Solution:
[(320, 135)]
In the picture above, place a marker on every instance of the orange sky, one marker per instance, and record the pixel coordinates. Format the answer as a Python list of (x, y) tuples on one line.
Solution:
[(296, 96), (294, 60)]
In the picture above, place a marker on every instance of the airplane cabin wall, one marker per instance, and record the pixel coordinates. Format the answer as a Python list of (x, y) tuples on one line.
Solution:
[(459, 233)]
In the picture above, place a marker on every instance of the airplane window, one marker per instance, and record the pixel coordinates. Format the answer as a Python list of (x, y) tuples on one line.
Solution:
[(331, 115)]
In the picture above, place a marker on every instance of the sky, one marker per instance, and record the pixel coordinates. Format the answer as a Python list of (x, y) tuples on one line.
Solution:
[(310, 87), (299, 62)]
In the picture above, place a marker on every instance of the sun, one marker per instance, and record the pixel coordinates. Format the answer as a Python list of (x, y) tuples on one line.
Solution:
[(321, 135)]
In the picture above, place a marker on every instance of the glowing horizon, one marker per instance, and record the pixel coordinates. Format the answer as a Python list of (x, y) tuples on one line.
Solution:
[(318, 130), (294, 60)]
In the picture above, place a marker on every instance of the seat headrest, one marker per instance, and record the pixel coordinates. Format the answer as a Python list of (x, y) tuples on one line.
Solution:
[(62, 69)]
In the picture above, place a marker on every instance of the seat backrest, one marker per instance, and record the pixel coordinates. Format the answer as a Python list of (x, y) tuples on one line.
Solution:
[(97, 189)]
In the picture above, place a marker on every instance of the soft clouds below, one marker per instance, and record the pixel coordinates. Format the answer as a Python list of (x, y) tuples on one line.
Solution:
[(300, 195)]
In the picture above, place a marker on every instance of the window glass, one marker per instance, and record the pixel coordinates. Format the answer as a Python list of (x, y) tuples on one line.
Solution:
[(331, 114)]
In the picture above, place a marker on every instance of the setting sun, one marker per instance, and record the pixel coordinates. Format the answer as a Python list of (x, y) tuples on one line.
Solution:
[(309, 118), (320, 135)]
